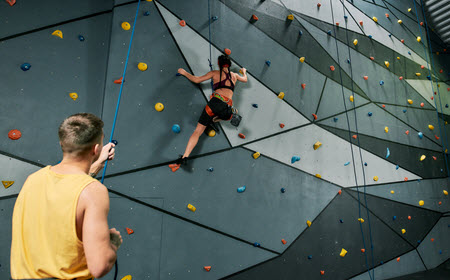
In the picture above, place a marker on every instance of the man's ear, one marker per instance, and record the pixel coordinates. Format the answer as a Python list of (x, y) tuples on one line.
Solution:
[(97, 149)]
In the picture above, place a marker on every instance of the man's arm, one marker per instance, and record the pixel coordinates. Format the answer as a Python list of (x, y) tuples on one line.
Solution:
[(108, 152), (100, 248), (196, 79)]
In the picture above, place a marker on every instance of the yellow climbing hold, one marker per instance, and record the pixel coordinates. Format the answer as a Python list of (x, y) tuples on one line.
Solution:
[(375, 178), (351, 98), (392, 192), (73, 95), (419, 39), (410, 101), (317, 145), (212, 133), (256, 155), (58, 33), (302, 59), (403, 231), (400, 21), (343, 252), (418, 74), (125, 25), (409, 10), (149, 0), (7, 184), (142, 66), (422, 157), (308, 223), (387, 64), (318, 175), (159, 107), (398, 57), (375, 19), (281, 95), (355, 42), (128, 277), (290, 17), (386, 129), (430, 127), (445, 192), (191, 207), (421, 203), (361, 220)]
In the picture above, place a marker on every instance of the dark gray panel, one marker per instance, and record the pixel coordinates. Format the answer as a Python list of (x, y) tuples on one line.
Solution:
[(440, 273), (145, 136), (421, 222), (406, 157), (37, 101), (29, 15), (324, 241), (245, 215), (403, 6), (6, 212)]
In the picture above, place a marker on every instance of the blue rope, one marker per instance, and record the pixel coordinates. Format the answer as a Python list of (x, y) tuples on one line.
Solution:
[(121, 86), (431, 79), (351, 147), (210, 52)]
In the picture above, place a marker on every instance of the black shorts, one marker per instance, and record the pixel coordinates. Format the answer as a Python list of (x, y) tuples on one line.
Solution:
[(220, 109)]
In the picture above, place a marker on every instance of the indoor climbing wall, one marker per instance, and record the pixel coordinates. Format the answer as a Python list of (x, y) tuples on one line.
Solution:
[(338, 170)]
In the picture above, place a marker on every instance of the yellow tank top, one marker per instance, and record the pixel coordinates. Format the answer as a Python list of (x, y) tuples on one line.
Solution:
[(44, 238)]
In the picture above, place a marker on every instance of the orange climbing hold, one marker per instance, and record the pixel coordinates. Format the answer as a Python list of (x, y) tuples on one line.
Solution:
[(183, 22), (283, 241), (435, 158), (282, 125), (303, 86), (14, 134), (398, 259), (387, 15), (372, 58), (409, 217), (119, 81), (11, 2), (422, 104), (207, 268), (400, 78), (363, 250), (361, 23), (322, 272), (406, 179), (254, 18), (437, 137), (354, 136), (366, 78), (402, 40), (421, 66), (227, 51), (340, 192), (315, 116), (174, 166), (407, 132), (129, 231), (384, 106), (241, 135), (332, 68), (432, 239)]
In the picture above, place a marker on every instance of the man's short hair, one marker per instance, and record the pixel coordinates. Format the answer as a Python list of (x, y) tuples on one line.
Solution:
[(79, 132)]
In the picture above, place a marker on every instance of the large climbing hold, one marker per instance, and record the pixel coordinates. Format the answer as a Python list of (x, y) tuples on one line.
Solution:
[(14, 134), (125, 25), (317, 145), (295, 159), (58, 33), (7, 184)]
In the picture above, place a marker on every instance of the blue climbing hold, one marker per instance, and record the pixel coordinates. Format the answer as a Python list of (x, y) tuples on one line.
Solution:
[(255, 105), (394, 218), (294, 159), (178, 74), (409, 53), (404, 110), (388, 153), (446, 105), (346, 17), (25, 66), (369, 114), (440, 252), (420, 134), (429, 77), (329, 32), (347, 163), (365, 163), (241, 189), (300, 33), (81, 38), (214, 18), (370, 36), (418, 180), (341, 221), (210, 169), (115, 142), (418, 241), (381, 82), (283, 190), (335, 119), (390, 35), (309, 257), (268, 62), (381, 262), (176, 128), (397, 167), (348, 61), (256, 244), (147, 13)]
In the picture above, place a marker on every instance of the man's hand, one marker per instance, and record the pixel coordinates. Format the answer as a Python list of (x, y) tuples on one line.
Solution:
[(108, 153), (182, 71), (116, 238)]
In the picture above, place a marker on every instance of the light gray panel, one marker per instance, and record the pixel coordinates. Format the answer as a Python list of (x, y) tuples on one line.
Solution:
[(375, 125), (436, 252), (409, 263), (14, 170), (245, 215), (187, 248), (431, 191), (330, 159), (256, 122), (331, 102), (425, 89), (6, 212)]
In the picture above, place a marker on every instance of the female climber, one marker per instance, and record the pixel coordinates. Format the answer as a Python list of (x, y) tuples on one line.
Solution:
[(220, 104)]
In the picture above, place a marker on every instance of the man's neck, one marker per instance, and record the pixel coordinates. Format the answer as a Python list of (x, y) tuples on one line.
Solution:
[(73, 166)]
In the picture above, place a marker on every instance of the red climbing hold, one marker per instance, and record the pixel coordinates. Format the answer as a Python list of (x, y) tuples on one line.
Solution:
[(14, 134), (361, 23), (372, 58), (409, 217), (398, 259), (227, 51), (387, 15), (440, 202), (432, 239), (406, 179), (303, 86), (421, 23), (241, 135), (422, 104), (254, 18), (332, 68), (315, 116), (402, 40), (441, 71), (129, 230), (354, 136), (282, 125), (337, 23), (384, 106), (432, 98), (182, 22), (119, 81), (363, 250), (340, 192), (322, 272), (435, 158), (283, 241), (366, 78), (407, 132), (11, 2), (174, 167), (400, 78), (207, 268), (421, 66), (318, 5)]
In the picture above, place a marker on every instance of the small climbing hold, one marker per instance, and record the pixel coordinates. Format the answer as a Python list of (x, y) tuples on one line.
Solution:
[(440, 202), (370, 114), (418, 74), (375, 19), (308, 223), (419, 39), (388, 153), (25, 66), (422, 158), (370, 36), (81, 38), (381, 82), (422, 104), (421, 202), (182, 23), (337, 24), (386, 129), (241, 189), (176, 128), (282, 190), (445, 192), (11, 2), (363, 250), (348, 61), (129, 231), (300, 33), (400, 21), (128, 277), (253, 18), (73, 95), (125, 25), (394, 218), (384, 106), (115, 142), (420, 134), (283, 241), (318, 5), (142, 66), (430, 127), (256, 155), (317, 145), (290, 17), (227, 51), (343, 252), (255, 105), (14, 134), (387, 64), (332, 68), (174, 167), (400, 78), (318, 176), (268, 62), (207, 268), (351, 98), (281, 95), (329, 32), (147, 13), (241, 135), (314, 116), (210, 169), (58, 33), (366, 78), (392, 192), (375, 178), (282, 125), (429, 78), (212, 133), (159, 107), (398, 259), (361, 220), (397, 167), (7, 184), (405, 179), (361, 23), (354, 136), (409, 10), (347, 163), (341, 221), (372, 58), (409, 217), (335, 119), (302, 59), (398, 57), (119, 81), (310, 257), (295, 159), (214, 18), (322, 272), (340, 192), (387, 15), (404, 110), (256, 244), (410, 101), (303, 86), (403, 231), (191, 207), (435, 158), (402, 40), (355, 42), (422, 66)]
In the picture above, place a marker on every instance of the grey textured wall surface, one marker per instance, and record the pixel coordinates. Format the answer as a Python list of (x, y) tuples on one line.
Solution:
[(299, 214)]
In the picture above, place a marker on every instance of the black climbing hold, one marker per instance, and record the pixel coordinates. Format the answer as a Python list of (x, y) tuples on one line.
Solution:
[(25, 66), (147, 13), (115, 142), (283, 190), (81, 38), (341, 221)]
